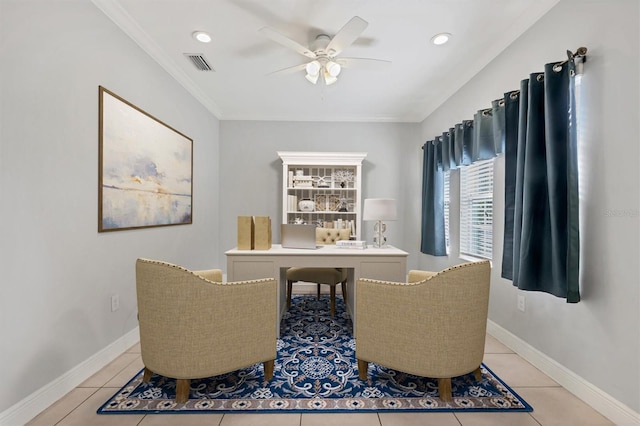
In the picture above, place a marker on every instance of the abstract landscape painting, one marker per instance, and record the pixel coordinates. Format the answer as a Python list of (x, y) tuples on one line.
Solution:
[(146, 169)]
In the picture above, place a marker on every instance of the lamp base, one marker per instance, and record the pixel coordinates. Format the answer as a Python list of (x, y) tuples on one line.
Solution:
[(379, 240)]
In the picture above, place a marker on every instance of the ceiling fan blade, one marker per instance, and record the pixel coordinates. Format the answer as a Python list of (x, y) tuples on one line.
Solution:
[(366, 63), (287, 42), (346, 36), (289, 70)]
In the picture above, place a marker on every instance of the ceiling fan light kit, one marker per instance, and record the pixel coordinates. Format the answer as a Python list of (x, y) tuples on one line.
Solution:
[(328, 78), (313, 78), (332, 68), (313, 68), (324, 51)]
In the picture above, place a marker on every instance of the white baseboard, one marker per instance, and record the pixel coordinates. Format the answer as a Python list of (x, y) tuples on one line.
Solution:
[(605, 404), (614, 410), (29, 407)]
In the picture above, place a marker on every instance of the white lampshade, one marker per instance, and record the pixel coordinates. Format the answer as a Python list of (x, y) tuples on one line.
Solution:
[(379, 209), (328, 78), (333, 68), (312, 78), (313, 68)]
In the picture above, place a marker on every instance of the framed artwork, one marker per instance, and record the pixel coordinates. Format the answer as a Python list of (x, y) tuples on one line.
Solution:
[(145, 176)]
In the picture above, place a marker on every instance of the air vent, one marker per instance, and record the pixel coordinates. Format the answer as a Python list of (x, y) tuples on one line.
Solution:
[(198, 60)]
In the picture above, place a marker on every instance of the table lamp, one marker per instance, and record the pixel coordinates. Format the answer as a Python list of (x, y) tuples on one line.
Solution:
[(379, 209)]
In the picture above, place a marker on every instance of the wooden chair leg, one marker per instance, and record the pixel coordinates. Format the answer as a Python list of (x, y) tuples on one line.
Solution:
[(444, 389), (268, 369), (289, 289), (333, 300), (146, 376), (182, 390), (477, 373), (363, 367), (344, 292), (318, 286)]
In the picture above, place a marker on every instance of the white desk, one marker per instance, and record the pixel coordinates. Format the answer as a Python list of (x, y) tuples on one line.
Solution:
[(389, 264)]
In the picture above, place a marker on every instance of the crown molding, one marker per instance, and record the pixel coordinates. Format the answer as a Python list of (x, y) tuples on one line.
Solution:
[(114, 11)]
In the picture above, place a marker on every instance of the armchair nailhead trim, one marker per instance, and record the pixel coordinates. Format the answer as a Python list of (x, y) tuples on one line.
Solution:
[(180, 268), (451, 268)]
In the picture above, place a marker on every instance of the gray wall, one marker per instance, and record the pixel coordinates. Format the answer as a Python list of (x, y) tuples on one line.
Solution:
[(251, 174), (598, 338), (58, 272)]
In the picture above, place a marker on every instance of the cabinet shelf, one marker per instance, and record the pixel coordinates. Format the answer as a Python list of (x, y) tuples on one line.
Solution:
[(333, 167), (320, 212), (315, 188)]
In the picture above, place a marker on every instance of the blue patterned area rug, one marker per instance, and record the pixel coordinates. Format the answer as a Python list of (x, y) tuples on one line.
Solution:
[(316, 371)]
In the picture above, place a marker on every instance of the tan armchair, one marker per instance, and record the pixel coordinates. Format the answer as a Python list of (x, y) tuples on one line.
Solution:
[(433, 326), (329, 276), (194, 326)]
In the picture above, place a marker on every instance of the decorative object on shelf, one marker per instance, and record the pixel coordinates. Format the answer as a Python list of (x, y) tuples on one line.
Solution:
[(379, 209), (323, 182), (306, 205), (298, 221), (300, 181), (342, 176), (327, 203), (343, 206)]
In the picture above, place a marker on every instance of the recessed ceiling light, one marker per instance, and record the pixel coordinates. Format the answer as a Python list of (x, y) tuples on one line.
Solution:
[(201, 36), (441, 38)]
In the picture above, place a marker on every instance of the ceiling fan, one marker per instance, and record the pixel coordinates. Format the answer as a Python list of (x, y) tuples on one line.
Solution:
[(324, 52)]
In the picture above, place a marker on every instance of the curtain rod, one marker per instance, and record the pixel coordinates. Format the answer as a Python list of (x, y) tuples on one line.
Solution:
[(579, 56)]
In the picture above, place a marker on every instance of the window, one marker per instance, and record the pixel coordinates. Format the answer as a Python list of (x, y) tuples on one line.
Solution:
[(447, 176), (476, 209)]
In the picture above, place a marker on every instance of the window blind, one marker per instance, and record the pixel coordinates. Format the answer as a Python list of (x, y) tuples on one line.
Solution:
[(476, 209)]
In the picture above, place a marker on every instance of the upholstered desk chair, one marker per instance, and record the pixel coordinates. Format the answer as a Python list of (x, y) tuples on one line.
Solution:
[(329, 276), (433, 326), (192, 325)]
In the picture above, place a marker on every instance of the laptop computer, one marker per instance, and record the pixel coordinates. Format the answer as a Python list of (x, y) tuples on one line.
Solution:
[(298, 236)]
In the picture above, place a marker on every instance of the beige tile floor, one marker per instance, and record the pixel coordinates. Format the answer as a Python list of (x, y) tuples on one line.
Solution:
[(553, 405)]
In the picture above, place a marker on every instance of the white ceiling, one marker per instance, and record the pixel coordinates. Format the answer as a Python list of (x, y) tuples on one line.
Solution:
[(421, 76)]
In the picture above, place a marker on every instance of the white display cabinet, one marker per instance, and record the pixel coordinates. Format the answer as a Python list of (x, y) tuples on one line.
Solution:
[(323, 188)]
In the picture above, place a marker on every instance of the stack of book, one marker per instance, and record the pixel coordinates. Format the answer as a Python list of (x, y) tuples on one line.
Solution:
[(352, 244)]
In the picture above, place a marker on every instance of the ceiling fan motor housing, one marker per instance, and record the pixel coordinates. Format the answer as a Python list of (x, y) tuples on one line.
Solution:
[(319, 45)]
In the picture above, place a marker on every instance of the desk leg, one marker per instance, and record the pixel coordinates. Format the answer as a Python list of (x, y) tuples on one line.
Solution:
[(352, 277), (281, 273)]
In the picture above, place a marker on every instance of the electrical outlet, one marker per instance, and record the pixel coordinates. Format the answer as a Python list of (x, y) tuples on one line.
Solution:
[(520, 303), (115, 303)]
